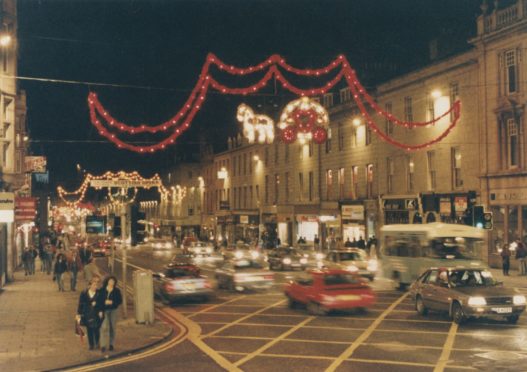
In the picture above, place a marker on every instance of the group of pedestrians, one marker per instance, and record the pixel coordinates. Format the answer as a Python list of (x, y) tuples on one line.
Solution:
[(28, 259), (97, 311), (520, 255)]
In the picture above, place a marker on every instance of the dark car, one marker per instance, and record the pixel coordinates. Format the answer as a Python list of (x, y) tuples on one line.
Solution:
[(466, 293), (180, 281), (244, 274), (286, 258)]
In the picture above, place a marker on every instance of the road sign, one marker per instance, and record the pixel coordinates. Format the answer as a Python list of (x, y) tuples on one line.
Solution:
[(124, 183)]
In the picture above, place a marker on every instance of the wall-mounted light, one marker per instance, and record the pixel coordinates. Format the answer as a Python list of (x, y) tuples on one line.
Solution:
[(256, 158), (357, 122), (436, 93), (5, 40), (222, 173)]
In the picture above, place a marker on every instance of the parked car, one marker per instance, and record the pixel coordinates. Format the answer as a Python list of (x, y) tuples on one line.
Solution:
[(325, 290), (244, 274), (466, 292), (241, 251), (180, 281), (286, 258), (354, 260)]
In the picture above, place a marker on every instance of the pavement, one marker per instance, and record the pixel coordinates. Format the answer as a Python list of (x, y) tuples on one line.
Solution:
[(37, 327)]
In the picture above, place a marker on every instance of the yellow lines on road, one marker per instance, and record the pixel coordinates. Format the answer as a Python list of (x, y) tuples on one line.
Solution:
[(142, 355), (351, 349), (215, 306), (194, 332), (447, 348), (243, 318), (238, 313)]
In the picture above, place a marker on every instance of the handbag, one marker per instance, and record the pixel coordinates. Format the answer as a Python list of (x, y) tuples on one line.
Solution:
[(78, 330)]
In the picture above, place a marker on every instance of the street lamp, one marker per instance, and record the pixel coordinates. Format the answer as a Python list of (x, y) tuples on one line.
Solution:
[(5, 40)]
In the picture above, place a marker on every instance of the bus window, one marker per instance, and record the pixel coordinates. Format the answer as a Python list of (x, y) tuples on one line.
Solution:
[(455, 248)]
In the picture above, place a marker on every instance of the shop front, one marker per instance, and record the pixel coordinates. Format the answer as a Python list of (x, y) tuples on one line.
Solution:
[(269, 234), (353, 221), (307, 226), (448, 207), (225, 228), (246, 226), (285, 217), (401, 210)]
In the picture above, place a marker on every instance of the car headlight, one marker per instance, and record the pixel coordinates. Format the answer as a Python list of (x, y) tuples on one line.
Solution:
[(352, 268), (255, 255), (372, 265), (157, 245), (168, 245), (286, 261), (303, 261), (208, 250), (518, 300), (477, 301), (238, 254), (319, 256)]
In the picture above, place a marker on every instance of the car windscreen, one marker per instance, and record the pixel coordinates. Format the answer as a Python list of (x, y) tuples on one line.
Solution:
[(351, 256), (179, 273), (471, 278), (340, 279)]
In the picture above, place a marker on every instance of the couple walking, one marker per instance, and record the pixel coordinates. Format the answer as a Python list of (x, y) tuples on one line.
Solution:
[(97, 311)]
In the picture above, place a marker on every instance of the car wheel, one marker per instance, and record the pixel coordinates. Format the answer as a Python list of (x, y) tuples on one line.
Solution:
[(291, 303), (457, 313), (420, 306), (513, 319), (315, 309)]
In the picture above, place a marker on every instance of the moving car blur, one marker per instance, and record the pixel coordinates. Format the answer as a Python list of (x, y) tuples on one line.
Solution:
[(286, 258), (244, 274), (466, 293), (180, 281), (353, 260), (241, 251), (322, 291)]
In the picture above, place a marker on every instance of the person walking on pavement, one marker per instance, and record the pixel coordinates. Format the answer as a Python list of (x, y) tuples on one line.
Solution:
[(111, 295), (347, 244), (90, 312), (521, 256), (60, 268), (361, 243), (86, 257), (505, 257), (26, 258), (34, 254), (74, 266), (48, 258)]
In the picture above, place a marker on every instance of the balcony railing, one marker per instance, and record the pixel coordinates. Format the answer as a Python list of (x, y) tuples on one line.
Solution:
[(504, 17)]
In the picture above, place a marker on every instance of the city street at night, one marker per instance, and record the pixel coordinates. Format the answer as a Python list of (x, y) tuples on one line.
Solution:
[(263, 185)]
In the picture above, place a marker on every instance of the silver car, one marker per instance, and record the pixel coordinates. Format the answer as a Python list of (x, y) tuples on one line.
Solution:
[(466, 293), (244, 274), (354, 260)]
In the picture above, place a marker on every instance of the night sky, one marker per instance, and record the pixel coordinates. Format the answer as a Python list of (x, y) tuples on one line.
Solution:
[(160, 47)]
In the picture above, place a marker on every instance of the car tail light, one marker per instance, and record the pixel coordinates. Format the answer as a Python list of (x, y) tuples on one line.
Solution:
[(207, 284), (169, 287), (269, 277)]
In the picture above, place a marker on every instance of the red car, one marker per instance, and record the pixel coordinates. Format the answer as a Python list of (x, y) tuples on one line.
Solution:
[(329, 289)]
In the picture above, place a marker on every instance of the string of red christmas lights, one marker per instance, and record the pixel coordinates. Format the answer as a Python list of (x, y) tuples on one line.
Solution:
[(181, 121)]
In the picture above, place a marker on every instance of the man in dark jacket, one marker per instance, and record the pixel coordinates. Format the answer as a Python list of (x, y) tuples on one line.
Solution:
[(521, 256), (74, 266), (60, 268)]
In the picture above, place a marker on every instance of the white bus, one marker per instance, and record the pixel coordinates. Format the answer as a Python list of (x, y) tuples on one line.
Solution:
[(407, 250)]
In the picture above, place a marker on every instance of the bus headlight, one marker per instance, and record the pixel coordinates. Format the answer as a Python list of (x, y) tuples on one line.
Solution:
[(477, 301), (518, 300)]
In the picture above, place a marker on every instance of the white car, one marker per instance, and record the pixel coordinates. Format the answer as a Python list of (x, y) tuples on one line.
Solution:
[(241, 251)]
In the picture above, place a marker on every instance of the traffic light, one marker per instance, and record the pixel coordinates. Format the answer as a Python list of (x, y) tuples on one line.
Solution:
[(137, 228), (480, 218)]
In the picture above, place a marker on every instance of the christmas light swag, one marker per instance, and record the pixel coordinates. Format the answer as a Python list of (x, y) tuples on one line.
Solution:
[(255, 126), (304, 118), (273, 66)]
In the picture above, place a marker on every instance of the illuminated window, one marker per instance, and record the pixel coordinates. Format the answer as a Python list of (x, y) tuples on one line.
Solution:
[(512, 143), (431, 169), (457, 180), (329, 184), (328, 142), (342, 178), (409, 174), (454, 96), (276, 188), (390, 172), (354, 182), (369, 181)]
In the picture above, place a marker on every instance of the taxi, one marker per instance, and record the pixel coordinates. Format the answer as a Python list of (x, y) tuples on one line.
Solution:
[(324, 290)]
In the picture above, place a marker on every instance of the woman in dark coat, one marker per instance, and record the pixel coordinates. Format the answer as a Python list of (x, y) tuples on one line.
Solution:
[(90, 312), (112, 299), (61, 266)]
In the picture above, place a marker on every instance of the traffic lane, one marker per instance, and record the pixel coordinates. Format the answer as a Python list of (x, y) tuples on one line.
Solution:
[(184, 357)]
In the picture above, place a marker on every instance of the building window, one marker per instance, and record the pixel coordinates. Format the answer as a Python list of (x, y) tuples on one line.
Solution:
[(408, 111), (367, 130), (310, 148), (341, 183), (276, 188), (328, 141), (457, 180), (301, 186), (354, 182), (240, 190), (251, 160), (390, 172), (286, 187), (345, 95), (266, 156), (311, 187), (276, 149), (369, 181), (286, 152), (388, 124), (353, 137), (511, 82), (512, 143), (410, 174), (329, 184), (430, 110), (340, 135), (431, 169), (234, 166), (245, 197), (454, 96), (257, 191), (301, 152), (235, 197), (239, 165), (327, 100), (266, 190), (244, 164)]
